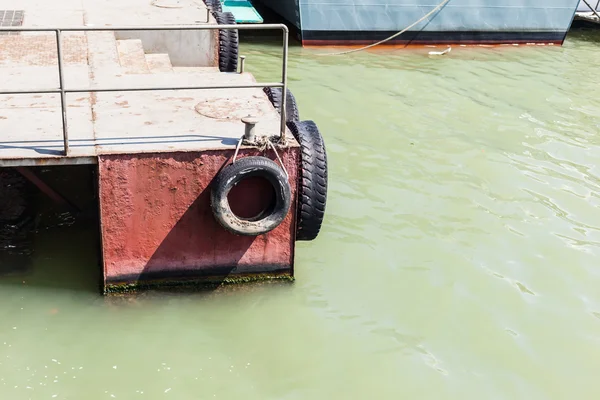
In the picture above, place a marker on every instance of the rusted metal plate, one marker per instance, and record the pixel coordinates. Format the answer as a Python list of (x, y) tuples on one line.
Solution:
[(11, 18), (157, 222), (40, 50)]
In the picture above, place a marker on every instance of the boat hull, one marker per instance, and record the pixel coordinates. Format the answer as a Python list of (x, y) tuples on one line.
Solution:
[(349, 22)]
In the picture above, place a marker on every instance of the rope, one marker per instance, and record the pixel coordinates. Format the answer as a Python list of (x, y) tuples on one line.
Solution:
[(439, 6), (261, 142), (237, 148), (287, 176)]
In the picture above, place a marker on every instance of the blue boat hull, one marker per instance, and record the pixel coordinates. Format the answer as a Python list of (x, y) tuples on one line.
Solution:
[(327, 22)]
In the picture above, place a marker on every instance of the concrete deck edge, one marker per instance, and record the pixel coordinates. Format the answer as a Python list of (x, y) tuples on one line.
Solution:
[(86, 160)]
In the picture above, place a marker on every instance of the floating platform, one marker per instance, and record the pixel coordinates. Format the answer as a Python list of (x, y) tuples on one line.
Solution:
[(117, 122), (590, 17), (158, 150)]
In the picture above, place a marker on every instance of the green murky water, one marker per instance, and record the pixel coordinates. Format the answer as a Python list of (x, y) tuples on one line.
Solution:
[(458, 260)]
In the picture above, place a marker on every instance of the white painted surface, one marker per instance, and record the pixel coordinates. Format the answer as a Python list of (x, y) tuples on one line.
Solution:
[(31, 126), (132, 57), (159, 62), (104, 55)]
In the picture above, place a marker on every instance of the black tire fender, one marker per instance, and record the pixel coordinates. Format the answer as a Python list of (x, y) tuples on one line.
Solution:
[(228, 43), (291, 107), (214, 5), (231, 175), (312, 191)]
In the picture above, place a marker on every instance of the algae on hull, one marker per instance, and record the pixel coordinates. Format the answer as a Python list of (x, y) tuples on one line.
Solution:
[(211, 283)]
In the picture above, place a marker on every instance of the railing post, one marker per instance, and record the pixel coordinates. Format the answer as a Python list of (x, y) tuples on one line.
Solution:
[(284, 82), (242, 63), (61, 86)]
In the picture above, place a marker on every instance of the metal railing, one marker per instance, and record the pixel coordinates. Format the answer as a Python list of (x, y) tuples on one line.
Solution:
[(594, 10), (63, 91)]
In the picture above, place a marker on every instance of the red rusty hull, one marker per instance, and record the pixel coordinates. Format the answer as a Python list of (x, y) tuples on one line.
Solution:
[(157, 223)]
